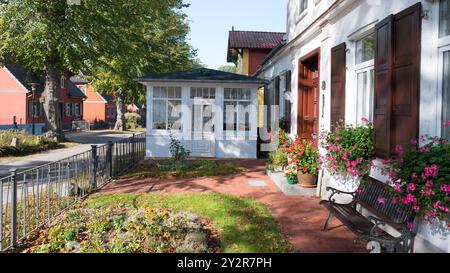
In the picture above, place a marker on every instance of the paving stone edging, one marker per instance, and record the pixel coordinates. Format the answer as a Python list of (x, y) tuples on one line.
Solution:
[(287, 189)]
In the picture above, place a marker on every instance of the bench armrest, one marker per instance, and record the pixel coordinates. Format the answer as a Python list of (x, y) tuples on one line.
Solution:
[(336, 191)]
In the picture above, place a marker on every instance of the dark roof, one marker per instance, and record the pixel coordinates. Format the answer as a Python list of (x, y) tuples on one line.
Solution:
[(201, 75), (252, 40), (75, 92), (107, 97), (21, 74), (24, 78)]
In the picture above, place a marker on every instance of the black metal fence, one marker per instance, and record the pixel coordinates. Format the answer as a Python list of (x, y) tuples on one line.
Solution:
[(31, 198)]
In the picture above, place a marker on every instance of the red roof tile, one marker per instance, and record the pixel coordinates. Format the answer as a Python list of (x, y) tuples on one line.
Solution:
[(254, 39)]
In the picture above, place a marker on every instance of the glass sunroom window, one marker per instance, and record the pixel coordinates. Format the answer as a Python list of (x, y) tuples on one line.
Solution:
[(166, 108), (203, 93), (237, 109)]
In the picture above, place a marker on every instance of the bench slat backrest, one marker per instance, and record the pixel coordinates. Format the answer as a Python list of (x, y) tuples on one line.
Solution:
[(370, 197)]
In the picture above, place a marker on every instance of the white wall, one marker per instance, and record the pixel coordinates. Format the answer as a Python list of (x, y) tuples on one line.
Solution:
[(346, 22)]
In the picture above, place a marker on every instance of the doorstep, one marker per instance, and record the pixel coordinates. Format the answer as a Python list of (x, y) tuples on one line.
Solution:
[(289, 190)]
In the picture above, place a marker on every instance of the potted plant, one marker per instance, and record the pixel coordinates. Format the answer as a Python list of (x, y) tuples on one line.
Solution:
[(278, 159), (305, 157), (348, 152), (421, 177), (290, 173)]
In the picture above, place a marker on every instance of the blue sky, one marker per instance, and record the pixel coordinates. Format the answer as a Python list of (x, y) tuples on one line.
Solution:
[(210, 21)]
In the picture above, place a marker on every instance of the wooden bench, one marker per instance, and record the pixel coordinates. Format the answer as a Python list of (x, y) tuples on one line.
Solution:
[(368, 229)]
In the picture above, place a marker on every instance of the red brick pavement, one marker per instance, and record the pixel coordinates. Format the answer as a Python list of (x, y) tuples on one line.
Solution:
[(300, 218)]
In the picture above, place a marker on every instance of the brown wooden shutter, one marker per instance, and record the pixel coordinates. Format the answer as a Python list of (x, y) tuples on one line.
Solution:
[(338, 73), (277, 91), (288, 81), (383, 85), (406, 76), (397, 80)]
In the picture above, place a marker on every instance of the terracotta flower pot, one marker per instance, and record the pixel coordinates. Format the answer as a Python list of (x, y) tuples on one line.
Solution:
[(307, 180)]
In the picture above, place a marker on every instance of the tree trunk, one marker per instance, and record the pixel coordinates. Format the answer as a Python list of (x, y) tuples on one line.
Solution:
[(50, 102), (120, 119)]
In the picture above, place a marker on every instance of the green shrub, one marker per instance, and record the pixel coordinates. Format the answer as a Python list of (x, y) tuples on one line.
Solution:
[(277, 159), (177, 150), (132, 120)]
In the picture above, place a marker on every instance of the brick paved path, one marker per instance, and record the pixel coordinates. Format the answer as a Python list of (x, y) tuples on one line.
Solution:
[(299, 218)]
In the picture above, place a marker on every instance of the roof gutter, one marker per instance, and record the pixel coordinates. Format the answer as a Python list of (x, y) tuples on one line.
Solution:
[(144, 80)]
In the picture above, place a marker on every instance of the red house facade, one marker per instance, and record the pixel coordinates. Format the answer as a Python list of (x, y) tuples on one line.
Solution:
[(247, 49), (99, 109), (20, 102)]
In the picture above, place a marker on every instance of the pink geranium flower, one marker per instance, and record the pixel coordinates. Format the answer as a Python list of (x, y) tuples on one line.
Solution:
[(399, 150), (430, 171), (382, 200), (409, 199), (364, 120), (410, 225), (411, 187)]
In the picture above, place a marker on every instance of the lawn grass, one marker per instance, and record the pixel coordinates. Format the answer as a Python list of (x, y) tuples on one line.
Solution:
[(244, 225), (186, 169)]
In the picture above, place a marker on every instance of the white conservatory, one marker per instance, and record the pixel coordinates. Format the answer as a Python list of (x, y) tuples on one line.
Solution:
[(213, 113)]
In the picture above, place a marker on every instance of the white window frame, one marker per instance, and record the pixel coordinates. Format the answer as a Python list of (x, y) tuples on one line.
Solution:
[(63, 82), (68, 109), (301, 7), (76, 109), (440, 101), (367, 67), (238, 133), (167, 99), (443, 44)]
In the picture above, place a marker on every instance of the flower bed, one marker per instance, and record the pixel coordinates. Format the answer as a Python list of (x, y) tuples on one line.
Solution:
[(127, 230)]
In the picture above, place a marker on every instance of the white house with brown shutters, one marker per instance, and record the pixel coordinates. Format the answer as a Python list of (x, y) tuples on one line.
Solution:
[(387, 61)]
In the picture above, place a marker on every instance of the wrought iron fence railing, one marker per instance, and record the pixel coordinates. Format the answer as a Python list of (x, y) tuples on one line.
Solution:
[(29, 199)]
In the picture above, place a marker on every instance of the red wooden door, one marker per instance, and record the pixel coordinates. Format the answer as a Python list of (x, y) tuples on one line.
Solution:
[(309, 94)]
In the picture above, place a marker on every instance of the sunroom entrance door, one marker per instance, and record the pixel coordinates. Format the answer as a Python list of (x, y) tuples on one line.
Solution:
[(203, 138)]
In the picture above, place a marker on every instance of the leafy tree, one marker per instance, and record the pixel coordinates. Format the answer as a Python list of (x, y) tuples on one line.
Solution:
[(105, 36), (160, 47), (228, 68)]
